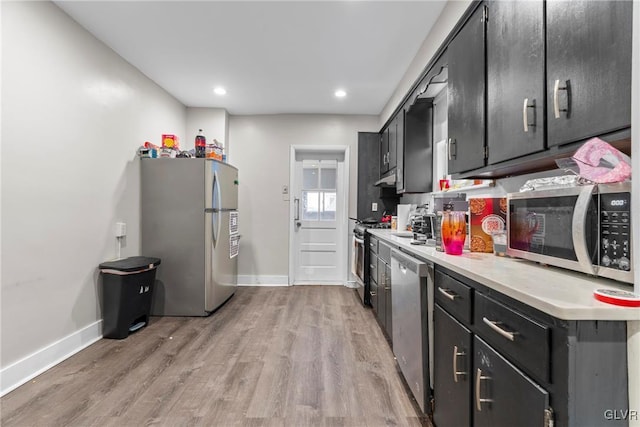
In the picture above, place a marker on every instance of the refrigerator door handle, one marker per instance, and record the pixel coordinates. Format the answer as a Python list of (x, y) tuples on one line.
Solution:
[(215, 217)]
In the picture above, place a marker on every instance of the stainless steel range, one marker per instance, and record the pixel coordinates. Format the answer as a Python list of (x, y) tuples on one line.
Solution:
[(360, 256)]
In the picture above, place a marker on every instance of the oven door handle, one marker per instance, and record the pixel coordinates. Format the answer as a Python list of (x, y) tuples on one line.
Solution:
[(357, 240), (578, 229)]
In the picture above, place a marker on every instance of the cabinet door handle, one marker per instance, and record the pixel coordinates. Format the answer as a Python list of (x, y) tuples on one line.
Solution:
[(479, 400), (457, 353), (556, 102), (387, 288), (372, 266), (494, 325), (449, 148), (448, 293), (372, 293), (525, 118)]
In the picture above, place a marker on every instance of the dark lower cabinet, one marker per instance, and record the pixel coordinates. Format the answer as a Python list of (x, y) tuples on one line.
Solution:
[(373, 295), (515, 79), (383, 312), (388, 322), (466, 96), (452, 371), (501, 363), (588, 68), (503, 396)]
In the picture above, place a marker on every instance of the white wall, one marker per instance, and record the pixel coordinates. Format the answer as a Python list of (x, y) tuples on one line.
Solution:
[(214, 123), (260, 150), (73, 115), (453, 10)]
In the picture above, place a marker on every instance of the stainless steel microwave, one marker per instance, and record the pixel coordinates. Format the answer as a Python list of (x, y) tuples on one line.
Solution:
[(585, 228)]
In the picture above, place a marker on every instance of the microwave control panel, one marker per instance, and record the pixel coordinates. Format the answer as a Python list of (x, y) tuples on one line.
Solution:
[(615, 231)]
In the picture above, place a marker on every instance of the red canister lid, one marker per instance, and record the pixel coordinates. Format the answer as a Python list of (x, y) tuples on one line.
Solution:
[(622, 298)]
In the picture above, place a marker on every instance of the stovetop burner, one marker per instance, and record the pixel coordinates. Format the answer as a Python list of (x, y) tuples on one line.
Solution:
[(362, 226)]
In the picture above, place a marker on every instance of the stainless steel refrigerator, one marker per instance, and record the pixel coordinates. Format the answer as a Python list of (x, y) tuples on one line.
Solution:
[(189, 215)]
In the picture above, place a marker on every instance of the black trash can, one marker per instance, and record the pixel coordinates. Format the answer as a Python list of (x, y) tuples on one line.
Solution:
[(127, 287)]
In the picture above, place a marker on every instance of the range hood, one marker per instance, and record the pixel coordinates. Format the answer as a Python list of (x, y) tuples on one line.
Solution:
[(389, 180)]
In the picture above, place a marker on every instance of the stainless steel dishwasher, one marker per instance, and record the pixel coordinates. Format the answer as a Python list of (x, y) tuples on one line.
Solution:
[(412, 313)]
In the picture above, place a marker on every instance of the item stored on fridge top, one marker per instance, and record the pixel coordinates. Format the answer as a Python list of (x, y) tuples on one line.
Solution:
[(170, 141), (201, 144), (487, 215)]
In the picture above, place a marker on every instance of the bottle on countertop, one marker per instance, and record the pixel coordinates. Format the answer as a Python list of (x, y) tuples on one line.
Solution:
[(201, 144)]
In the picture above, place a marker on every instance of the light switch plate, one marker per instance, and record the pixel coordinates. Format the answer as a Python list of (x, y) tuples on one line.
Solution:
[(374, 207)]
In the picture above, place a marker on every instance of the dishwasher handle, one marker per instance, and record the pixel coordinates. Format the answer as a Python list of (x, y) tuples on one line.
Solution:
[(420, 268)]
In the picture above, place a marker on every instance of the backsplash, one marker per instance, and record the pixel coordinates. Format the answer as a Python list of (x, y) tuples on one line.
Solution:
[(501, 188)]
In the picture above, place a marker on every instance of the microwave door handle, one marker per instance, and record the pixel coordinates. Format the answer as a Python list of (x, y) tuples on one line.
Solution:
[(578, 229)]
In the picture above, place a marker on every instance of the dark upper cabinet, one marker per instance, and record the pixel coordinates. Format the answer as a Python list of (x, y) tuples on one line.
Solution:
[(515, 79), (466, 86), (368, 174), (393, 141), (415, 172), (588, 69), (400, 150), (384, 151)]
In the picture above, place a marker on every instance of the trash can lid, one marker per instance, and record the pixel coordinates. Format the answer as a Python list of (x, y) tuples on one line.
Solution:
[(131, 264)]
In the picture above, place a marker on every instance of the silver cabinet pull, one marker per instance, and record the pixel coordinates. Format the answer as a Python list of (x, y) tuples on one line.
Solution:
[(525, 119), (447, 293), (479, 400), (387, 288), (556, 102), (494, 325), (372, 293), (457, 353), (372, 266), (449, 148)]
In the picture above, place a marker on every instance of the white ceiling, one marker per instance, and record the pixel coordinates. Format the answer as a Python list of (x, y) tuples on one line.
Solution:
[(272, 57)]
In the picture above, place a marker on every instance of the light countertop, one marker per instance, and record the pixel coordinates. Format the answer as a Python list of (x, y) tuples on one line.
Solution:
[(561, 293)]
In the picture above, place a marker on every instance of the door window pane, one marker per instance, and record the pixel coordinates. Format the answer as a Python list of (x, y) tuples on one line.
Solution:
[(328, 178), (328, 206), (310, 205), (310, 177)]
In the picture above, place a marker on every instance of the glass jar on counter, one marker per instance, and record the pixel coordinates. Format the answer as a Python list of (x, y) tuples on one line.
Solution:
[(454, 231)]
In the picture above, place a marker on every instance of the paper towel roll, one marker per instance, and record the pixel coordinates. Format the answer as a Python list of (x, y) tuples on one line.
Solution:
[(403, 216)]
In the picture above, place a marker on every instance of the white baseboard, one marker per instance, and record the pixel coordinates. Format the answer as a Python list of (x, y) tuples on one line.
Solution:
[(20, 372), (263, 280)]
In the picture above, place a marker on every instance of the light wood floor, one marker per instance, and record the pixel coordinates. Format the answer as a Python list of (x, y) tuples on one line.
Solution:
[(279, 356)]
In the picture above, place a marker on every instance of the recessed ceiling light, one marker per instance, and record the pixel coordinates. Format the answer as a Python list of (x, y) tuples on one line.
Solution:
[(220, 91), (340, 93)]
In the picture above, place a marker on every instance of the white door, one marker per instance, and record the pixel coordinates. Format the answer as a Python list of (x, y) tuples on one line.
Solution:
[(319, 219)]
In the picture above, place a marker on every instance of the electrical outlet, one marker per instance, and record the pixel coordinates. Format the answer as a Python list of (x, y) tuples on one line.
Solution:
[(374, 207), (121, 229)]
